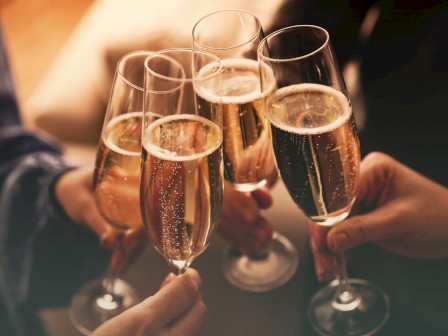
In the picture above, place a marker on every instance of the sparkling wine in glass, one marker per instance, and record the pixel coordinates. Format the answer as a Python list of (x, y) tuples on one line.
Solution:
[(116, 186), (182, 160), (233, 36), (318, 155)]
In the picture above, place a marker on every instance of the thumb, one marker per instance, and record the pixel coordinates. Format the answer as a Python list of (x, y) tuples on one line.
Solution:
[(370, 227)]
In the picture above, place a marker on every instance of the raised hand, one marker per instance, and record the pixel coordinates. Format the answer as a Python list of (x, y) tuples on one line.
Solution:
[(396, 208)]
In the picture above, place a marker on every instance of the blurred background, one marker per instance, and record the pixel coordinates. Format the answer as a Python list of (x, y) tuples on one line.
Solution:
[(36, 30)]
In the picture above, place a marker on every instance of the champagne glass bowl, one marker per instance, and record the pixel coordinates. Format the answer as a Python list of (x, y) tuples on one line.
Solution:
[(318, 155), (182, 165), (116, 190), (248, 157)]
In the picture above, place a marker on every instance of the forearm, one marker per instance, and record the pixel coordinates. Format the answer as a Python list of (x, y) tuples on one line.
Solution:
[(39, 245)]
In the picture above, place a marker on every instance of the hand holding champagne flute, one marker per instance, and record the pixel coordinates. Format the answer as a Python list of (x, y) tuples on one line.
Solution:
[(116, 190), (233, 36), (317, 152), (182, 171)]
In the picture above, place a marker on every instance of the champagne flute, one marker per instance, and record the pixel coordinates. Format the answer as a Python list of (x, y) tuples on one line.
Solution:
[(318, 155), (116, 190), (182, 160), (233, 36)]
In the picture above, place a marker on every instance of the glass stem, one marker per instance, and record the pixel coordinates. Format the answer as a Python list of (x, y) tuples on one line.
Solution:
[(110, 300), (176, 269), (345, 298), (109, 281)]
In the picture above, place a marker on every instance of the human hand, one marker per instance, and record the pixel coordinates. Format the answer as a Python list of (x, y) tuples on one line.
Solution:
[(396, 208), (324, 260), (74, 192), (176, 309), (132, 244), (242, 223)]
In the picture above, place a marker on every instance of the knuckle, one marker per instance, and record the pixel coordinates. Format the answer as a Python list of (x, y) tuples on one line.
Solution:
[(359, 232)]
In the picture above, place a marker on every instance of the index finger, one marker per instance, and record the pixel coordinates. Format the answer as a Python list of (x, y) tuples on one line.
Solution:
[(323, 259), (318, 237)]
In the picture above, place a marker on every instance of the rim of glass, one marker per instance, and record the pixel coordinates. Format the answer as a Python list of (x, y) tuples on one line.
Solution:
[(283, 30), (163, 53), (257, 33), (126, 56)]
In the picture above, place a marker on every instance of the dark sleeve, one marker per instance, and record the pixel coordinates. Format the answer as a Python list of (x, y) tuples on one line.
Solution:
[(8, 104), (44, 257)]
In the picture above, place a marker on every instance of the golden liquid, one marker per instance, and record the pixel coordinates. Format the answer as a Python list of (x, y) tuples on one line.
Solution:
[(317, 149), (117, 172), (248, 156), (182, 185)]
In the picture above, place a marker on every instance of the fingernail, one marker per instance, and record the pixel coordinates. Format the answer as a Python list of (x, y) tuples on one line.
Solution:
[(323, 276), (320, 273), (168, 279), (339, 242), (102, 240)]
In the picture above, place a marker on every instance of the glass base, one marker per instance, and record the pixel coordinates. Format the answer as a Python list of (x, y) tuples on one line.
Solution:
[(263, 272), (91, 305), (365, 316)]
